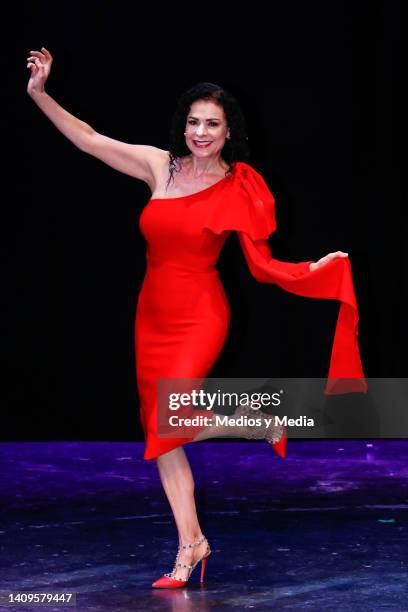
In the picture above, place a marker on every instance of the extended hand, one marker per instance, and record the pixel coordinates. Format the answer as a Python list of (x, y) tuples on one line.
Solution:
[(325, 260), (39, 63)]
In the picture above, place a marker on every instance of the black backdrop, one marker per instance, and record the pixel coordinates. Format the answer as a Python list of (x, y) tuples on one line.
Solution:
[(320, 87)]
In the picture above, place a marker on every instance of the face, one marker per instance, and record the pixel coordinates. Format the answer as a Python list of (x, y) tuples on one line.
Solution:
[(206, 128)]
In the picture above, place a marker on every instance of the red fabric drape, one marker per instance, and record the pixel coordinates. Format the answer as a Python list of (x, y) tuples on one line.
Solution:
[(250, 210)]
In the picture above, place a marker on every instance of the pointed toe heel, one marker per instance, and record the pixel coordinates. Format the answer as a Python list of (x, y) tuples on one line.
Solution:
[(280, 446), (169, 581)]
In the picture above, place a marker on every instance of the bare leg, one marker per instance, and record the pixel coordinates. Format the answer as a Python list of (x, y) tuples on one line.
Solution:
[(178, 483)]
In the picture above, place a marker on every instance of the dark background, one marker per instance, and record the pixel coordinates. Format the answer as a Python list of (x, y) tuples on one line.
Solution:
[(320, 86)]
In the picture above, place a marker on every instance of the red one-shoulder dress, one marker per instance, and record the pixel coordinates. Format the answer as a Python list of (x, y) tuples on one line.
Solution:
[(182, 314)]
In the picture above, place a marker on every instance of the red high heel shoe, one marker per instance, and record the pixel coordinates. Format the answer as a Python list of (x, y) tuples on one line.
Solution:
[(168, 581), (280, 446), (260, 432)]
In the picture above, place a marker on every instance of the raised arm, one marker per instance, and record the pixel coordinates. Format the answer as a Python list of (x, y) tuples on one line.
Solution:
[(139, 161)]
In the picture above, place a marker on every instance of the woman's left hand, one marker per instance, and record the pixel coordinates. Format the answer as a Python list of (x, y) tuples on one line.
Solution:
[(325, 260)]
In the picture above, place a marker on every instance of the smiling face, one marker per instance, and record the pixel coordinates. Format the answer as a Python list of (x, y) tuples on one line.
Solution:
[(206, 128)]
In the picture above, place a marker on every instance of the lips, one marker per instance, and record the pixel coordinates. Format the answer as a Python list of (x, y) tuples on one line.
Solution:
[(202, 145)]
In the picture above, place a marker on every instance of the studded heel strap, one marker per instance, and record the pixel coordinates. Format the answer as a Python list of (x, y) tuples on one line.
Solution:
[(184, 565)]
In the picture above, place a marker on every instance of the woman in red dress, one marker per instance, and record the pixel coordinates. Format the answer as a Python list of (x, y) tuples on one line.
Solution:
[(202, 190)]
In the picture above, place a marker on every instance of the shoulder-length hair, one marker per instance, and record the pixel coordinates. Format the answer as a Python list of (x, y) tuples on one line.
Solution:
[(236, 147)]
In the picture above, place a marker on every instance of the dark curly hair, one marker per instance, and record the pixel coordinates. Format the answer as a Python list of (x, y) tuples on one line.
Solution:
[(235, 148)]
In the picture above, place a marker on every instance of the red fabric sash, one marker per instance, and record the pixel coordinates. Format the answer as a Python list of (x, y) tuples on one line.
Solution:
[(247, 206)]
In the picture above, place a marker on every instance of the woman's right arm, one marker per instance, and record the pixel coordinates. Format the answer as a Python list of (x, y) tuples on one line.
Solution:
[(140, 161)]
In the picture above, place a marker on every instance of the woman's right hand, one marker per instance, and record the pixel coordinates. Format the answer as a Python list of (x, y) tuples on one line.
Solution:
[(39, 63)]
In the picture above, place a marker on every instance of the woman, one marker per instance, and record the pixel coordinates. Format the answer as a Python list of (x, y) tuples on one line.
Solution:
[(202, 189)]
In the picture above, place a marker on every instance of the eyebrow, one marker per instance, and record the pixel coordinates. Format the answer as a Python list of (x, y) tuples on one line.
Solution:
[(212, 118)]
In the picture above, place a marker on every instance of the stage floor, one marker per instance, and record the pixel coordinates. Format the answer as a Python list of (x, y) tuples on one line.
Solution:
[(324, 529)]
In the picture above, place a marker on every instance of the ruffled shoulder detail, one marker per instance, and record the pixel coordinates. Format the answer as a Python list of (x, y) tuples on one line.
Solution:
[(245, 204)]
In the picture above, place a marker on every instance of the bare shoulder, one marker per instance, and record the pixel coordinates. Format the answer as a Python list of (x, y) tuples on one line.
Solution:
[(155, 156)]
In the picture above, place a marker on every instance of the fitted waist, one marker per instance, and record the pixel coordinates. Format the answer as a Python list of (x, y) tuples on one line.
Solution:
[(189, 267)]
